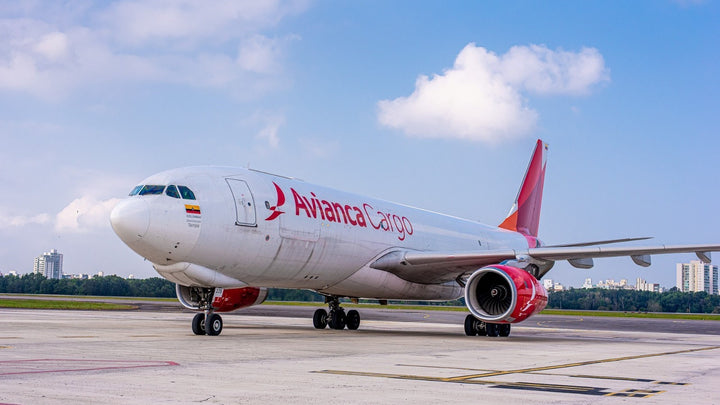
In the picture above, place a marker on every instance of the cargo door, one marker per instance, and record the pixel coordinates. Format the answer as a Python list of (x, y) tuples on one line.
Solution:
[(244, 202)]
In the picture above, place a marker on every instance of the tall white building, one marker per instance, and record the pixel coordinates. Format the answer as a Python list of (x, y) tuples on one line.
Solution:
[(697, 276), (49, 264), (643, 285)]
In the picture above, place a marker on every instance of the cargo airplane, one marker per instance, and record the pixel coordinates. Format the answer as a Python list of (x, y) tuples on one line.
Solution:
[(224, 235)]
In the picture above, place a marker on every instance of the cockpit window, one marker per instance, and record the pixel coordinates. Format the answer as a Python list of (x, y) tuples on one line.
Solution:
[(149, 189), (186, 193), (172, 191), (135, 191)]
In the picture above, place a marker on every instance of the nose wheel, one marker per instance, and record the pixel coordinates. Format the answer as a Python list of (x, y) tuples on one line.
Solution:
[(336, 318), (207, 322), (198, 324)]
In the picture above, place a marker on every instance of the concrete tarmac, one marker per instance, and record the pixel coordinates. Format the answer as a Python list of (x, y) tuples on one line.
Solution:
[(59, 357)]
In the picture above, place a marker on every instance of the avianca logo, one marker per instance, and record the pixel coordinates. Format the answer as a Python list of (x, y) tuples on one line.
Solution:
[(313, 207), (280, 201)]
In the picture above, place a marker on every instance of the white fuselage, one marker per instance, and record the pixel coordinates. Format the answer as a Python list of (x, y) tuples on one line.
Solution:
[(238, 232)]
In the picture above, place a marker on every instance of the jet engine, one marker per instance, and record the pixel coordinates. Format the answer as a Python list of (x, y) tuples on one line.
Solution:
[(224, 299), (504, 294)]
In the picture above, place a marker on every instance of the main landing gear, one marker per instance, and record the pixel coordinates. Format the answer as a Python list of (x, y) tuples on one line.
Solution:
[(336, 318), (206, 322), (474, 326)]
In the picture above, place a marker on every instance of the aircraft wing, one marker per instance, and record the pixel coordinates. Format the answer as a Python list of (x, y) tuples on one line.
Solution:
[(438, 267)]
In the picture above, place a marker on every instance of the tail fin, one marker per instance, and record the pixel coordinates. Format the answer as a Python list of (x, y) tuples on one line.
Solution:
[(524, 216)]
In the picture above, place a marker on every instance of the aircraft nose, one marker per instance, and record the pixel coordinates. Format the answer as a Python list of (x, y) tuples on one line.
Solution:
[(130, 219)]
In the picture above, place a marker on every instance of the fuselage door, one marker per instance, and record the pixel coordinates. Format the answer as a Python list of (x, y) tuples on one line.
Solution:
[(244, 202)]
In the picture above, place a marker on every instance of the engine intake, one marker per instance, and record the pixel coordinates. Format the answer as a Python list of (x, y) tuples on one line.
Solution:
[(504, 294)]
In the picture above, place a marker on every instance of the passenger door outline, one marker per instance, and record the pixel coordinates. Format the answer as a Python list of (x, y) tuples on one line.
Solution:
[(244, 202)]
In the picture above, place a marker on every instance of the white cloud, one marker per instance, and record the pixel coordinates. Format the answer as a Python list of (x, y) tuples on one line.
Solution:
[(270, 129), (168, 41), (140, 22), (260, 54), (481, 97), (12, 221), (52, 46), (85, 214), (544, 71)]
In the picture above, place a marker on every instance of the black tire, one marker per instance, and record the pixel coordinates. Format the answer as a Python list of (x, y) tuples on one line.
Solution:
[(320, 319), (337, 320), (470, 325), (492, 329), (198, 324), (504, 330), (352, 319), (213, 325)]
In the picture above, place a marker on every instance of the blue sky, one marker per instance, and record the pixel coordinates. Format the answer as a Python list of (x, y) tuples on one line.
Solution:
[(431, 104)]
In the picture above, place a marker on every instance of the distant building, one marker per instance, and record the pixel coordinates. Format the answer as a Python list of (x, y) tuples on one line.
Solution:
[(49, 264), (642, 285), (548, 284), (697, 276), (613, 285), (80, 276), (587, 283)]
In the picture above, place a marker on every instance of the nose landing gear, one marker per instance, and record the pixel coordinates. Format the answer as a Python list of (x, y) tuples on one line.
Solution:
[(206, 322)]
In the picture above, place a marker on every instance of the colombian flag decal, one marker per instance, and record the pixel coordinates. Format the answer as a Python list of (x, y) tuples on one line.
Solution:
[(192, 209)]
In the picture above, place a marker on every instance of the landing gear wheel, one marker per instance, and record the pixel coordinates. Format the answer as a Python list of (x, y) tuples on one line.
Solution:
[(482, 329), (213, 325), (320, 319), (504, 330), (352, 319), (492, 329), (198, 324), (471, 325), (337, 320)]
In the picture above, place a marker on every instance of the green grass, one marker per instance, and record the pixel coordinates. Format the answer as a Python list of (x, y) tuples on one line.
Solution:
[(52, 304), (91, 297), (663, 315), (89, 305)]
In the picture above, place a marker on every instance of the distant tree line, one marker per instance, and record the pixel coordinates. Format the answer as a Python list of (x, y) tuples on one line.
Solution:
[(112, 286), (585, 299), (635, 301)]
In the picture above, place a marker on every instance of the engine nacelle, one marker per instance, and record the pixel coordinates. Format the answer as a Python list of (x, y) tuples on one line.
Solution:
[(224, 299), (504, 294)]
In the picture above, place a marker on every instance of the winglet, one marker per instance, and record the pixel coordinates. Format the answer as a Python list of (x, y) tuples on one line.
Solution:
[(524, 216)]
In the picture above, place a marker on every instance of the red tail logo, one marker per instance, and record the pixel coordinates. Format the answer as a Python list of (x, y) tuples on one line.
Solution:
[(280, 201), (524, 216)]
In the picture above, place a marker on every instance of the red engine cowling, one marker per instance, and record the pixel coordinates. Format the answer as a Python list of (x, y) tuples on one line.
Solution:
[(224, 299), (504, 294), (230, 299)]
